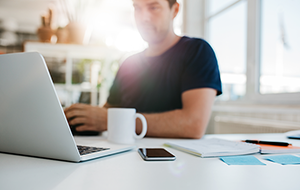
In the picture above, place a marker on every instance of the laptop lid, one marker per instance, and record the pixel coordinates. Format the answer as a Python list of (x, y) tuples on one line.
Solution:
[(32, 121)]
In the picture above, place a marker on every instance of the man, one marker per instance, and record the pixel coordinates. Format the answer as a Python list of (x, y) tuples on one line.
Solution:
[(173, 82)]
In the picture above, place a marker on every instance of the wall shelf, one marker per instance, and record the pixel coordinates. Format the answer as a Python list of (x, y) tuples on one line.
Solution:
[(69, 52)]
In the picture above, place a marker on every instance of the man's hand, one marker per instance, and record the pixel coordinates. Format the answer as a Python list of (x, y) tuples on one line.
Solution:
[(91, 118)]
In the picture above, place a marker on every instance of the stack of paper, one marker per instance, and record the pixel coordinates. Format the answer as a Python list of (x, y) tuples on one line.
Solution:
[(267, 149), (213, 147)]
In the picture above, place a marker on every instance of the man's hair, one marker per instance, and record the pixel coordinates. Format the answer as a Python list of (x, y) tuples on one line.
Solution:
[(171, 2)]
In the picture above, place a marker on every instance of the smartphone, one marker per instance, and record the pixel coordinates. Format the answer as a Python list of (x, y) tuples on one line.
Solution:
[(156, 154)]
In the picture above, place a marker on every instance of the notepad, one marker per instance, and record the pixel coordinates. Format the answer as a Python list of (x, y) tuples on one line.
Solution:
[(213, 147), (283, 159), (241, 160), (293, 134)]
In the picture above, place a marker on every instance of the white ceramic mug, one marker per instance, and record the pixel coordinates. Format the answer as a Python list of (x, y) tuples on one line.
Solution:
[(121, 125)]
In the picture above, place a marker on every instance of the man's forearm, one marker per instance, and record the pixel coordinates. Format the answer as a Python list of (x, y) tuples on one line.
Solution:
[(174, 124)]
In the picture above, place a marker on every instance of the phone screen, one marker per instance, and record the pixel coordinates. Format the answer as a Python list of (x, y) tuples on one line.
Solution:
[(155, 154)]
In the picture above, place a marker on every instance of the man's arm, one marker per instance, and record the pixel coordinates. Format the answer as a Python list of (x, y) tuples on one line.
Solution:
[(189, 122)]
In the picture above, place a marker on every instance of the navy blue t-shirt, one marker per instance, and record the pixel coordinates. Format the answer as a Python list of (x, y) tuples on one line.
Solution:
[(155, 84)]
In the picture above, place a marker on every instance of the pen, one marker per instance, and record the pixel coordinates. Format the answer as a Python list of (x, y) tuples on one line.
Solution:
[(267, 142)]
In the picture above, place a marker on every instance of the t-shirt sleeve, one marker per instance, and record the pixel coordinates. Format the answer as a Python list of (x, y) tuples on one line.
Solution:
[(201, 69)]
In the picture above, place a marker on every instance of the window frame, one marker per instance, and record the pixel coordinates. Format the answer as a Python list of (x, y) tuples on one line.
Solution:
[(252, 94)]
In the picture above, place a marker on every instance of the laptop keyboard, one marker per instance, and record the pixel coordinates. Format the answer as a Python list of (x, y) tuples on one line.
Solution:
[(83, 150)]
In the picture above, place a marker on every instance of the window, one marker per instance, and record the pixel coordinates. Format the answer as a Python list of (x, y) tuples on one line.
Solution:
[(256, 43), (280, 46), (227, 36)]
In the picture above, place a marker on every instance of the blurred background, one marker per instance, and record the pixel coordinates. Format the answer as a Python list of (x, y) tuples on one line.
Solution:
[(257, 44)]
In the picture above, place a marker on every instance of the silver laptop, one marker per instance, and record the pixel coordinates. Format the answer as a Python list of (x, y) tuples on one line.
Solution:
[(32, 121)]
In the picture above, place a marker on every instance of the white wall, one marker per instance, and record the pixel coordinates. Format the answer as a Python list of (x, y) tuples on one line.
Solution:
[(193, 18), (26, 13)]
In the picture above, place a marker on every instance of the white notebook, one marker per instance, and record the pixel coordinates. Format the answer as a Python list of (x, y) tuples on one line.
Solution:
[(213, 147)]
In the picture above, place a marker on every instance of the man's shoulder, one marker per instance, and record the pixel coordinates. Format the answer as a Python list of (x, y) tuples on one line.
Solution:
[(189, 47), (132, 59), (131, 64), (193, 42), (192, 39)]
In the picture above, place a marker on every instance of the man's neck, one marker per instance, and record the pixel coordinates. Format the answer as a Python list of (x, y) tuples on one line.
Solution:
[(156, 49)]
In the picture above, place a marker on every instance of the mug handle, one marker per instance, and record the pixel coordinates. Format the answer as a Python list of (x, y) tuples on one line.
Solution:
[(144, 123)]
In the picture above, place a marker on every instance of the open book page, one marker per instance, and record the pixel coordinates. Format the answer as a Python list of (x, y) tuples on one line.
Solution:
[(213, 147)]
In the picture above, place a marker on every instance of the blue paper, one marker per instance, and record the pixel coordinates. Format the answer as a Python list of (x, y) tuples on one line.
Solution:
[(241, 160), (283, 159)]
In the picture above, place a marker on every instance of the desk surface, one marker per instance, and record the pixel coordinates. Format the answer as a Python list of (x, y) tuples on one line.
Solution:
[(129, 171)]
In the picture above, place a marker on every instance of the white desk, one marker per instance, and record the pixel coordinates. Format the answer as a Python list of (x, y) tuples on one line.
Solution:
[(129, 171)]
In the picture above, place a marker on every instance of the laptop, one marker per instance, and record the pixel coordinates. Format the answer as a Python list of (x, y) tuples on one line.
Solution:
[(32, 120)]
